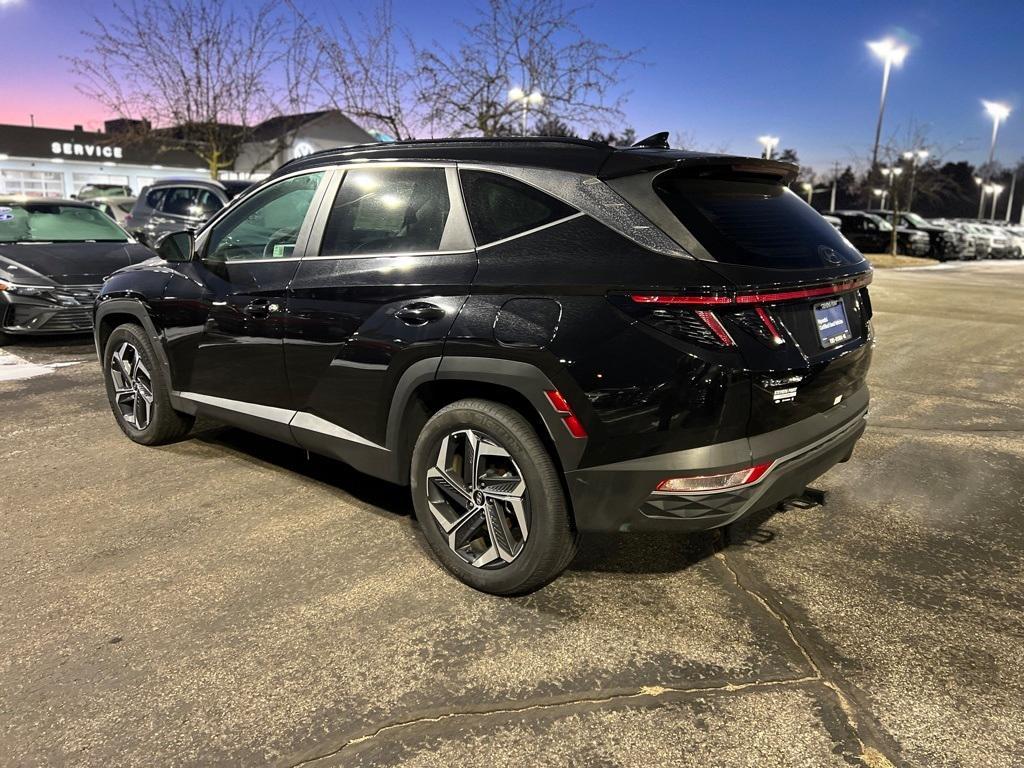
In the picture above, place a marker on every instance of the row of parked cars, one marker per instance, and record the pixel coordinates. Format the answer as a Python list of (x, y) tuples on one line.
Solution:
[(942, 239), (166, 206)]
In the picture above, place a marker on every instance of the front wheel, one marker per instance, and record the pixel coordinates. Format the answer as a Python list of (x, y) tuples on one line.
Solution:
[(138, 391), (488, 498)]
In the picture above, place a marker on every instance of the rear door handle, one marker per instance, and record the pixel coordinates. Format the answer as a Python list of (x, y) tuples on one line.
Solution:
[(260, 309), (419, 313)]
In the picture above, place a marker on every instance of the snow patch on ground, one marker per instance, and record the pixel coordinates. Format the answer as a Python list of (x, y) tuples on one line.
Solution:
[(14, 368)]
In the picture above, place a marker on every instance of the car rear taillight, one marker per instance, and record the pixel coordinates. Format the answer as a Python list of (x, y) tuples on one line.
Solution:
[(714, 483), (563, 409), (753, 296)]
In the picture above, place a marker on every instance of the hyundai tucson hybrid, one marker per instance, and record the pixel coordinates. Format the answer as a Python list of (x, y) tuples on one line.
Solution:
[(54, 255), (541, 337)]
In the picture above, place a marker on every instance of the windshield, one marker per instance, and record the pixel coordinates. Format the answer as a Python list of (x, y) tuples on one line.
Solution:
[(55, 223), (883, 224), (916, 220)]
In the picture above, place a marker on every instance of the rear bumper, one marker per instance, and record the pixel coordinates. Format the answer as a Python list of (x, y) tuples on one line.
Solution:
[(621, 497)]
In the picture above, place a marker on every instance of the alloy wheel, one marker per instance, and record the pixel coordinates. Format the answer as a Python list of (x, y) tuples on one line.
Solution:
[(479, 500), (133, 386)]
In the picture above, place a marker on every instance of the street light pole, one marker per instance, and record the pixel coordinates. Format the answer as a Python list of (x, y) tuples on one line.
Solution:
[(998, 112), (769, 143), (892, 54), (997, 189), (535, 98), (835, 184), (913, 157), (1013, 187)]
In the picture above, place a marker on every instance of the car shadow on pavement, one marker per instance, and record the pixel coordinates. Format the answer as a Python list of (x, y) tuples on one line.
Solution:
[(390, 499), (613, 552)]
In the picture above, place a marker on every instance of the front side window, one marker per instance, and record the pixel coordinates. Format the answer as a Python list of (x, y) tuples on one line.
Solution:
[(43, 222), (267, 225), (501, 207), (388, 210)]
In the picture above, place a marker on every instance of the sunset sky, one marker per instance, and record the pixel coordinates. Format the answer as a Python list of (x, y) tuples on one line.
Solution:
[(723, 73)]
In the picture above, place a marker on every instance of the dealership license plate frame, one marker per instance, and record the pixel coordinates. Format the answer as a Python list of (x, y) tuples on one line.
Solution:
[(826, 312)]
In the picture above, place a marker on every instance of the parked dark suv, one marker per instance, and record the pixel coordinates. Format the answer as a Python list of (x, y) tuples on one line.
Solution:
[(172, 205), (541, 337)]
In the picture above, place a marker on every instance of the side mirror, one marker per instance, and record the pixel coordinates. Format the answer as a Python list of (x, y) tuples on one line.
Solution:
[(176, 247)]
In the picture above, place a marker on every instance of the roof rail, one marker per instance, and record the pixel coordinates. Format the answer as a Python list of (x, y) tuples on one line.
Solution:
[(455, 140)]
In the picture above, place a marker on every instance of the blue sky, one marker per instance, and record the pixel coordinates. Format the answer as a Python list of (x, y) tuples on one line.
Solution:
[(723, 73)]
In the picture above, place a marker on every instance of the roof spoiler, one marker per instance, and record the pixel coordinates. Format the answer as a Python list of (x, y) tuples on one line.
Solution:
[(698, 165)]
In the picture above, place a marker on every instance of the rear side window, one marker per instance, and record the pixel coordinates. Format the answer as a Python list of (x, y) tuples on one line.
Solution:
[(388, 210), (747, 220), (501, 207)]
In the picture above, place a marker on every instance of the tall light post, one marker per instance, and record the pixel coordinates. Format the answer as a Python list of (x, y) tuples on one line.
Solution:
[(769, 143), (998, 112), (996, 190), (534, 98), (891, 173), (880, 193), (808, 189), (913, 157), (892, 53)]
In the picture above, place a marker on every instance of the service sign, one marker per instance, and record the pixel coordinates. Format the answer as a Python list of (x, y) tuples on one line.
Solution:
[(95, 151)]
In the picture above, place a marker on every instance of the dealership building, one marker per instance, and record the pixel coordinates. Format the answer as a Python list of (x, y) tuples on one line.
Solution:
[(54, 162)]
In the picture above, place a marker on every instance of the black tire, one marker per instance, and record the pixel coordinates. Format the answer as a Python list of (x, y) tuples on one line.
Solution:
[(5, 339), (164, 424), (551, 542)]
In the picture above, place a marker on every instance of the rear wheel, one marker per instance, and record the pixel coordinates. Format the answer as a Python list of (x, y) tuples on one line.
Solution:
[(5, 339), (137, 390), (488, 498)]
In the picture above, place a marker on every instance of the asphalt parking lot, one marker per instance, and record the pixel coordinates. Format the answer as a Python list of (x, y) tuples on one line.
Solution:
[(224, 600)]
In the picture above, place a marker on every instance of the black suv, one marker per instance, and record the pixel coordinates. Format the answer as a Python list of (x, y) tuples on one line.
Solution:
[(541, 337)]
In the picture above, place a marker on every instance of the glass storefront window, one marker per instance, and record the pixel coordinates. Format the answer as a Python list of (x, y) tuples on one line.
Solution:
[(31, 183)]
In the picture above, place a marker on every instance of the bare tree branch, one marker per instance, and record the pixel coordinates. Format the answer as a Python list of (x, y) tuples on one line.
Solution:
[(203, 68), (533, 44)]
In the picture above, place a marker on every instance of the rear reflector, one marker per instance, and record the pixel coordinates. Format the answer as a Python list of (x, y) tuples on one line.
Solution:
[(714, 483), (562, 407), (754, 297), (716, 326), (769, 325)]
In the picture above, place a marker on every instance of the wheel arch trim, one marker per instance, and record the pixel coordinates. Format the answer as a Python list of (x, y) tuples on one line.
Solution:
[(524, 378), (136, 309)]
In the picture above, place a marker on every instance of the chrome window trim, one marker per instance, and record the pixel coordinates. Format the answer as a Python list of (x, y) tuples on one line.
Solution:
[(528, 232), (461, 252)]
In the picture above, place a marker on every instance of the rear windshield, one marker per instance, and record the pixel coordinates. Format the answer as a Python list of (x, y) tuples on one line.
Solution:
[(54, 223), (744, 220)]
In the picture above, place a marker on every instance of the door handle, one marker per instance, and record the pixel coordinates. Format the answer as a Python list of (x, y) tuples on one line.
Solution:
[(260, 309), (419, 313)]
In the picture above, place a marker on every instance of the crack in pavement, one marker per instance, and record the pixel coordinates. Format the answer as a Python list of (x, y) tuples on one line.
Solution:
[(877, 749), (874, 747), (647, 692), (950, 430)]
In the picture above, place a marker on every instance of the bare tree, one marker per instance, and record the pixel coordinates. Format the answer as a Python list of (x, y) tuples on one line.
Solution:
[(365, 68), (200, 71), (536, 45)]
